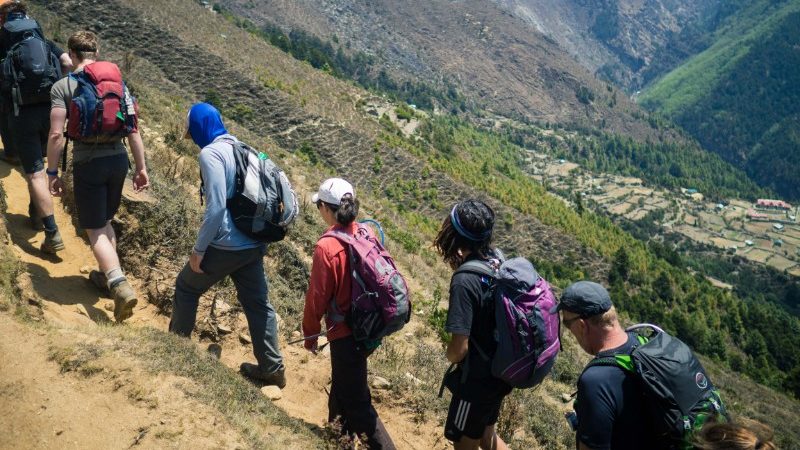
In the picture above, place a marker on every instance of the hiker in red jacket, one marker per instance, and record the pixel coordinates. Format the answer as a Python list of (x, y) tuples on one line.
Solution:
[(350, 401)]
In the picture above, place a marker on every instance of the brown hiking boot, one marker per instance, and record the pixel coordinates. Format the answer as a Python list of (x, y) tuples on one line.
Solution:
[(124, 300), (99, 280), (276, 378), (52, 242)]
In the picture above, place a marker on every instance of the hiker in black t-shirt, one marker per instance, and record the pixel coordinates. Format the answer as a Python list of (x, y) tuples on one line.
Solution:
[(610, 403), (25, 122), (477, 396)]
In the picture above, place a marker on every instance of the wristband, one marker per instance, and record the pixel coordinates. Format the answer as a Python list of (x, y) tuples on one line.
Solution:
[(51, 174)]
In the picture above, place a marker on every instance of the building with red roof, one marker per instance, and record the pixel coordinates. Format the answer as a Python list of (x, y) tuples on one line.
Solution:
[(779, 205)]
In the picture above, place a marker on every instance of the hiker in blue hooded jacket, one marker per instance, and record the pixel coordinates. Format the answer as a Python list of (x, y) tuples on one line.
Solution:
[(466, 235), (222, 249)]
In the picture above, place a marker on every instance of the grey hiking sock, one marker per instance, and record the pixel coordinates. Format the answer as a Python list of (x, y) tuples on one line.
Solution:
[(114, 277)]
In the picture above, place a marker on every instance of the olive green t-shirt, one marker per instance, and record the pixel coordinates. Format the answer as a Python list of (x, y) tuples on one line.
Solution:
[(60, 97)]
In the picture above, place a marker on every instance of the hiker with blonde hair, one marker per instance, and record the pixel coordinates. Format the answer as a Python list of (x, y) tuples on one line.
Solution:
[(740, 435)]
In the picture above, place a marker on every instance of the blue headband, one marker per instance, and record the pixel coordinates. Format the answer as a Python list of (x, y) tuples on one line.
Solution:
[(464, 232)]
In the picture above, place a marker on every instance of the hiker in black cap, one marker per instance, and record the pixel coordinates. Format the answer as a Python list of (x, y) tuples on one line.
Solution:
[(609, 406), (465, 235)]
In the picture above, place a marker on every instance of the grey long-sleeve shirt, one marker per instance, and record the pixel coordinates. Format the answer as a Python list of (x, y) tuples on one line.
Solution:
[(218, 168)]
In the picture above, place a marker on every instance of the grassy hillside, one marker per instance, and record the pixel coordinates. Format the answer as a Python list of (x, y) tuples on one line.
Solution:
[(739, 98), (177, 52)]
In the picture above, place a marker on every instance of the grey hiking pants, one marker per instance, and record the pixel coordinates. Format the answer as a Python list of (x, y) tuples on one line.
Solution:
[(246, 268)]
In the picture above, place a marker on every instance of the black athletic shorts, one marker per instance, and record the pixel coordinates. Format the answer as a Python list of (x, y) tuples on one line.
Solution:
[(98, 189), (28, 132), (475, 405)]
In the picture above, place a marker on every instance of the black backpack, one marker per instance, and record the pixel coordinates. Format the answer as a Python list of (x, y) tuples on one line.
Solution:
[(263, 205), (679, 396), (30, 68)]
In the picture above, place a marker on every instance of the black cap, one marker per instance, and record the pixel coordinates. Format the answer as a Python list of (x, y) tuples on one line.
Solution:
[(586, 298)]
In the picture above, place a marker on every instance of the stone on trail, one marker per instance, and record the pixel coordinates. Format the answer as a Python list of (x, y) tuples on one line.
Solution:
[(410, 377), (82, 310), (566, 398), (85, 270), (224, 329), (245, 338), (272, 392), (380, 383), (295, 334), (109, 306)]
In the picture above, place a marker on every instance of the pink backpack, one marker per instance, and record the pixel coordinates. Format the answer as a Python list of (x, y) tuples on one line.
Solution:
[(380, 301)]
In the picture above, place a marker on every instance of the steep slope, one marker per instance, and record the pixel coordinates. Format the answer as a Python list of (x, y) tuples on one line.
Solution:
[(174, 52), (740, 99), (624, 37), (496, 60)]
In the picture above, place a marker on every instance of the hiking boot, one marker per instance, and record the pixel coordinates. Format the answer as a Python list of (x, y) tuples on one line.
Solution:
[(99, 280), (124, 300), (36, 221), (276, 378), (52, 242)]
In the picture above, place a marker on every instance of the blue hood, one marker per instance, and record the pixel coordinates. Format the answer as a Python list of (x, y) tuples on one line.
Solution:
[(205, 124)]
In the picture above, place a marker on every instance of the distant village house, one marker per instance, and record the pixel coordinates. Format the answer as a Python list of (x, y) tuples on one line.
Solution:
[(752, 215), (776, 205)]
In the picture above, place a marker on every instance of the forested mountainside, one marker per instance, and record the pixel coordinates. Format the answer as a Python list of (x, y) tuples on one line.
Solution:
[(741, 97), (175, 52), (491, 161)]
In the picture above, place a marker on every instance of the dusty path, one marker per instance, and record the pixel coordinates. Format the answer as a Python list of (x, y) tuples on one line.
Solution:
[(60, 285)]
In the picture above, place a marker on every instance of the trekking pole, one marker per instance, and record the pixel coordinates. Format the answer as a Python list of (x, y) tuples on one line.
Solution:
[(313, 336)]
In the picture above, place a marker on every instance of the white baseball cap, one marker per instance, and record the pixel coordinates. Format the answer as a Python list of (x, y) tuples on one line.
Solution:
[(332, 190)]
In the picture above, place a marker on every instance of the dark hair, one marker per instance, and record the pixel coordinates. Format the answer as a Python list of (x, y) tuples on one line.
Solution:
[(13, 8), (468, 227), (346, 211), (740, 435)]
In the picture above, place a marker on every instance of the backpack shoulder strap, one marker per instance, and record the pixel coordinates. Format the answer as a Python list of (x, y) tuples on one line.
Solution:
[(478, 267), (621, 360)]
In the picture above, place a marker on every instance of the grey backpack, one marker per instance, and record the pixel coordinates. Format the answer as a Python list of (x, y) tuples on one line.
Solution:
[(263, 205)]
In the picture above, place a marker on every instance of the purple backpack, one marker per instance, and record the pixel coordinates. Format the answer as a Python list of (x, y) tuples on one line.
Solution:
[(526, 331), (380, 302)]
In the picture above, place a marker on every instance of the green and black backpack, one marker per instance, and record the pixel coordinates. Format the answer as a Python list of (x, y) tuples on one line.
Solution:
[(680, 397)]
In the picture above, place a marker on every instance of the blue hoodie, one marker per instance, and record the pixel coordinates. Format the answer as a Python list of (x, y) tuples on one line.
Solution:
[(218, 168), (205, 124)]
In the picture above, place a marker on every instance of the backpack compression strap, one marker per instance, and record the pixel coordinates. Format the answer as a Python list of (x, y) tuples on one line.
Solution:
[(334, 313)]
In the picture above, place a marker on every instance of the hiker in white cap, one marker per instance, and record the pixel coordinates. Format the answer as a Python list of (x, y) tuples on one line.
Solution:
[(350, 401)]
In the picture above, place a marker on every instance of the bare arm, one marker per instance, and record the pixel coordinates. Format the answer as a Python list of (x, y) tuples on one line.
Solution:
[(66, 63), (140, 179), (55, 140), (457, 349)]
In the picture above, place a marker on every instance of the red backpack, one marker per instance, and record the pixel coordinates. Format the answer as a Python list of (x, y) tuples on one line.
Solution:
[(101, 109)]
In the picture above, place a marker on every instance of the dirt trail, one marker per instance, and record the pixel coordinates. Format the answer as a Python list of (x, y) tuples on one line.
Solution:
[(59, 281), (60, 285)]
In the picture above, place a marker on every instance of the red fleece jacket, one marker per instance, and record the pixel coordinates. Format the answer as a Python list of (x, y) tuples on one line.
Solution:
[(330, 278)]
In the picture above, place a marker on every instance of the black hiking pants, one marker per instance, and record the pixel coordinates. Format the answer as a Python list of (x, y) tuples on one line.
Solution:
[(350, 400)]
